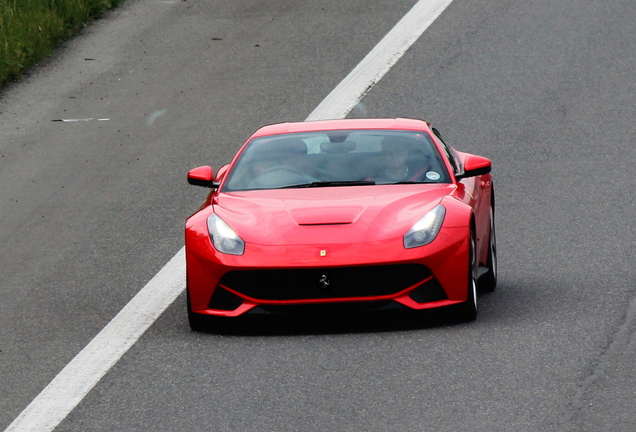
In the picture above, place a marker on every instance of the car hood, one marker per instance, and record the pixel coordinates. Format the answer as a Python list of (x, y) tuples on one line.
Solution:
[(334, 215)]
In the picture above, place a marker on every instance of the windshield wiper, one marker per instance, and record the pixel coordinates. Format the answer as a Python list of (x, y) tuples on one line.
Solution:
[(332, 184)]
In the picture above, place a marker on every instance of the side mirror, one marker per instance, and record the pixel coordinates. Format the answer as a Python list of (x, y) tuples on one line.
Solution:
[(202, 176), (475, 166)]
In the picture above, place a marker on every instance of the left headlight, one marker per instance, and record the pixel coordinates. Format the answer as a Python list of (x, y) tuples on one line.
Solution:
[(426, 229), (223, 237)]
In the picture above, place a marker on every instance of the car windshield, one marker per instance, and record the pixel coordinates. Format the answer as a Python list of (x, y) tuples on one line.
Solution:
[(336, 159)]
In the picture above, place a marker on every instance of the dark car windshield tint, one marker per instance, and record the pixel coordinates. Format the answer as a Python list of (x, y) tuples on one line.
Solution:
[(337, 158)]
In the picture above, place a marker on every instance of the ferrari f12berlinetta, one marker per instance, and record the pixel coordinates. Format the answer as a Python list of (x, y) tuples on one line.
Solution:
[(342, 215)]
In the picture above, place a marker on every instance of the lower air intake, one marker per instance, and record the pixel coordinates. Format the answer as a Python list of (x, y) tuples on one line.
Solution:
[(320, 283)]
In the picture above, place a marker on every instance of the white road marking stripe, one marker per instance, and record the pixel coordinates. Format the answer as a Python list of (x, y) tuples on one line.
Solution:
[(79, 120), (74, 382), (70, 386), (379, 61)]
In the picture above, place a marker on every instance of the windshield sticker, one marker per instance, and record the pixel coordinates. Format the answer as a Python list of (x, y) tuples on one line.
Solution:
[(432, 175)]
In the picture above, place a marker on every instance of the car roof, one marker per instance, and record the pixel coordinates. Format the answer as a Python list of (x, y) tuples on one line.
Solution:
[(342, 124)]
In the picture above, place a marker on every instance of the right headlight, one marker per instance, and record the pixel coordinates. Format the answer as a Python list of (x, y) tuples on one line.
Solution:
[(426, 229), (223, 237)]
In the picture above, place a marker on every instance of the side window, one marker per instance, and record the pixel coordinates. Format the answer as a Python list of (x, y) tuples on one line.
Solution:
[(450, 154)]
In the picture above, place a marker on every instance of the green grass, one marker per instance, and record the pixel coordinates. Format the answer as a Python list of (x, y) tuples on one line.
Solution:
[(31, 29)]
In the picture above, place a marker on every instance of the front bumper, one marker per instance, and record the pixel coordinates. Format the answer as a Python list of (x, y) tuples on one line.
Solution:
[(284, 279)]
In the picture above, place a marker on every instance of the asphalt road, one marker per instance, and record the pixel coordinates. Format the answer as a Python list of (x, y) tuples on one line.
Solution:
[(91, 210)]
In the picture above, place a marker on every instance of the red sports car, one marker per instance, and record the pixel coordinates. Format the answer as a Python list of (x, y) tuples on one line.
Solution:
[(342, 215)]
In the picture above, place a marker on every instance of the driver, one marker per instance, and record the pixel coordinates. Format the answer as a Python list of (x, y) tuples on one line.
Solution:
[(396, 166)]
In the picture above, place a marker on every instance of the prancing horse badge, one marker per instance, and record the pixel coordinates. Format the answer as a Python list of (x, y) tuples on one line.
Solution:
[(323, 283)]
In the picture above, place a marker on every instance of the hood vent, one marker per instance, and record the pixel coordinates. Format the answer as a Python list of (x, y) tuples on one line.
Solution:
[(323, 223), (326, 216)]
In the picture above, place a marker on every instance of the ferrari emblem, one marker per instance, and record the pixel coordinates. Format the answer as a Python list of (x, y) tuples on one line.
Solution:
[(323, 283), (323, 253)]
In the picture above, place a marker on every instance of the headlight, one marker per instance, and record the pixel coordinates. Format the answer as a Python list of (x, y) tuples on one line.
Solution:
[(426, 229), (223, 237)]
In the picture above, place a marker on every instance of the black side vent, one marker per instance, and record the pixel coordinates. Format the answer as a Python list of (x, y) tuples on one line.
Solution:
[(224, 300), (428, 292)]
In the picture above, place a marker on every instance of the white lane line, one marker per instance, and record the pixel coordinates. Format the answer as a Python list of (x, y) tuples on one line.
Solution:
[(79, 120), (74, 382), (379, 61)]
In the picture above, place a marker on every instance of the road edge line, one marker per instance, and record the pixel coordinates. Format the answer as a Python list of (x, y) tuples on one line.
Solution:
[(379, 61), (82, 373)]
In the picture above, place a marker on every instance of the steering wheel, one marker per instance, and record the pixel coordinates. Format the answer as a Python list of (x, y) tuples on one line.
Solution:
[(277, 176), (276, 168)]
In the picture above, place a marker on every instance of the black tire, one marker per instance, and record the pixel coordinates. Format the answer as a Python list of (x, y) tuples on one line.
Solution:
[(467, 311), (488, 282), (198, 322)]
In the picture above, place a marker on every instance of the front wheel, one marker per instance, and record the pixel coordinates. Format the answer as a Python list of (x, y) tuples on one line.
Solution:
[(467, 311)]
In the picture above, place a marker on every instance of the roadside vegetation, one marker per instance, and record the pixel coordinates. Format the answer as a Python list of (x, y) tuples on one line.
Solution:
[(31, 29)]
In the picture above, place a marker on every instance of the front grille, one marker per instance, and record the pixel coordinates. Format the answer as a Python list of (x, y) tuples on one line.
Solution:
[(319, 283)]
